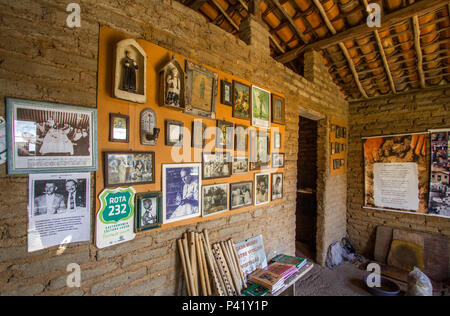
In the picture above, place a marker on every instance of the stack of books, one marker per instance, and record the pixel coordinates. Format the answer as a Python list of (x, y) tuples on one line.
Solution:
[(271, 281), (299, 262), (255, 290), (285, 270)]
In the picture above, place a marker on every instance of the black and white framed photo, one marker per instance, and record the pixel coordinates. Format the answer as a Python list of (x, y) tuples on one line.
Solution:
[(148, 214), (119, 130), (241, 138), (262, 188), (181, 191), (198, 134), (129, 168), (50, 138), (277, 186), (277, 160), (226, 95), (216, 165), (241, 194), (224, 134), (239, 165), (214, 199), (174, 133)]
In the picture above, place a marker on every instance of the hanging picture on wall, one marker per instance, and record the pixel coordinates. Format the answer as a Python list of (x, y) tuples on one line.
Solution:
[(224, 135), (277, 140), (214, 199), (260, 107), (148, 129), (241, 194), (277, 186), (119, 128), (226, 96), (262, 188), (181, 191), (216, 165), (259, 155), (278, 109), (241, 138), (198, 134), (129, 168), (174, 133), (201, 90), (277, 160), (439, 200), (172, 86), (239, 165), (48, 137), (241, 100), (148, 211)]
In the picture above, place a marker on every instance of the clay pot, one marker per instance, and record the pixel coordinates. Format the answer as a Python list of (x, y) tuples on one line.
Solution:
[(393, 4)]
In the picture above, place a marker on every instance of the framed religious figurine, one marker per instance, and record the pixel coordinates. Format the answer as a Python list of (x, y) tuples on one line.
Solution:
[(174, 133), (129, 168), (172, 86), (241, 138), (224, 135), (216, 165), (239, 165), (181, 191), (262, 188), (226, 95), (148, 127), (277, 186), (46, 137), (278, 109), (277, 140), (198, 134), (259, 153), (277, 160), (214, 199), (241, 100), (260, 108), (148, 215), (241, 194), (201, 90), (119, 128)]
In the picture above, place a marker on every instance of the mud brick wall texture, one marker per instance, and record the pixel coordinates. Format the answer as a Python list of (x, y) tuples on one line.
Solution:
[(42, 59), (406, 113)]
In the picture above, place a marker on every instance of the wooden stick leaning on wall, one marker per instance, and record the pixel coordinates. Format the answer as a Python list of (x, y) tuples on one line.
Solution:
[(204, 265), (241, 273), (221, 266), (189, 268), (222, 262), (231, 268), (220, 276), (183, 262), (235, 264), (219, 288), (200, 265), (193, 260)]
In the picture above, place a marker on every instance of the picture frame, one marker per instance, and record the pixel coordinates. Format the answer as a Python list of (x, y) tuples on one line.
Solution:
[(239, 165), (201, 90), (174, 133), (278, 109), (148, 130), (119, 128), (259, 152), (241, 100), (277, 186), (215, 199), (172, 85), (198, 134), (129, 168), (241, 138), (224, 134), (278, 160), (277, 140), (333, 148), (216, 165), (262, 188), (241, 195), (45, 137), (181, 191), (261, 108), (148, 211), (226, 93)]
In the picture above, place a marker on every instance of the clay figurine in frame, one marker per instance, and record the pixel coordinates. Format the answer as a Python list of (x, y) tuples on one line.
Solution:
[(130, 72), (171, 92)]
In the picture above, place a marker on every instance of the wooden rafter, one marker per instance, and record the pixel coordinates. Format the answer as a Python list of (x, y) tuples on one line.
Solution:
[(225, 14), (415, 21), (291, 22), (197, 4)]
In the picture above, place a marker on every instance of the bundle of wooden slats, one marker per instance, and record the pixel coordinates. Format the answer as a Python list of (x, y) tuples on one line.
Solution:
[(205, 264)]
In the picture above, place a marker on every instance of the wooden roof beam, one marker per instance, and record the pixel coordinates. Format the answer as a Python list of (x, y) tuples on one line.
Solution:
[(291, 22), (416, 26), (225, 14)]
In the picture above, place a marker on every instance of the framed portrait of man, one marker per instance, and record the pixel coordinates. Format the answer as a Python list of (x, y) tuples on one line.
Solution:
[(262, 188), (148, 211), (277, 186)]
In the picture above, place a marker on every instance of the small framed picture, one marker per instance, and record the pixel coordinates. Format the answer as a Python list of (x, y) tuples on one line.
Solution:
[(119, 128), (337, 148), (224, 134), (342, 163), (129, 168), (277, 140), (216, 165), (342, 147), (226, 95), (277, 186), (241, 195), (241, 138), (333, 148), (148, 215), (241, 101), (259, 154), (239, 165), (198, 134), (278, 109), (262, 188), (214, 199), (277, 160), (333, 128), (174, 133), (336, 164), (260, 108), (344, 132)]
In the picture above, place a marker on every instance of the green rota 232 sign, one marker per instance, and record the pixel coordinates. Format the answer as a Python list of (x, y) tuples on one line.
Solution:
[(117, 205)]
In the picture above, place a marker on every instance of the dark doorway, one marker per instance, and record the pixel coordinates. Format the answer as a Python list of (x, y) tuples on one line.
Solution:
[(306, 187)]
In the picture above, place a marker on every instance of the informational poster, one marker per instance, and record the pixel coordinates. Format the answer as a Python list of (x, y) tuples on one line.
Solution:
[(115, 219), (58, 211), (439, 202), (2, 140), (251, 254), (396, 172)]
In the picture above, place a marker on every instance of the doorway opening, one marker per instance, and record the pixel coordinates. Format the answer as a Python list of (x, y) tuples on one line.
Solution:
[(306, 213)]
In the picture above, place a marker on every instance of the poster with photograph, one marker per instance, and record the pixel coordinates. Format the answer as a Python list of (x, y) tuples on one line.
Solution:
[(396, 172), (439, 201), (47, 137), (58, 210)]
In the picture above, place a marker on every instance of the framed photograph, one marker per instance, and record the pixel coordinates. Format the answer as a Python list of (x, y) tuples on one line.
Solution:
[(333, 148), (342, 163), (344, 132), (241, 100), (50, 138), (336, 164), (226, 95), (174, 133), (241, 195), (342, 147), (337, 148), (198, 134), (277, 186), (260, 108), (278, 109), (224, 134), (129, 168), (239, 165), (277, 160), (277, 140), (148, 215), (259, 155), (262, 188), (214, 199), (241, 138), (119, 127), (201, 90), (216, 165), (333, 128), (181, 191)]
